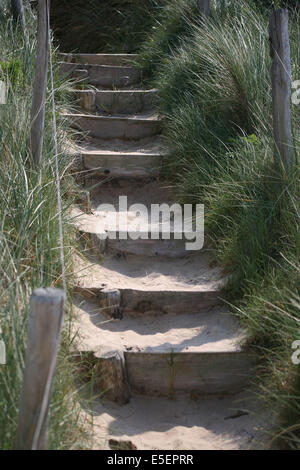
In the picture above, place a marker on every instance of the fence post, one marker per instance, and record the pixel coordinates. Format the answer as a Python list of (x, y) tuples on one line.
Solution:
[(40, 84), (44, 329), (18, 12), (281, 85), (204, 7)]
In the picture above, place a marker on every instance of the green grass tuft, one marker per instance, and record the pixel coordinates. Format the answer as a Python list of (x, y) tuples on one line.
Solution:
[(29, 236), (94, 26)]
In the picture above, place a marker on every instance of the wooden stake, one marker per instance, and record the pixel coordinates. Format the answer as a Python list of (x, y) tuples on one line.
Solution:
[(40, 84), (18, 12), (44, 329), (111, 377), (281, 85), (110, 303), (204, 7)]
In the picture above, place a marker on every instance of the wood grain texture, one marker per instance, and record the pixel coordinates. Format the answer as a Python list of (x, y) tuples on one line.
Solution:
[(40, 84), (123, 165), (106, 76), (110, 302), (117, 101), (153, 302), (44, 329), (206, 373), (281, 85), (168, 248), (137, 302), (107, 127), (99, 59), (111, 377)]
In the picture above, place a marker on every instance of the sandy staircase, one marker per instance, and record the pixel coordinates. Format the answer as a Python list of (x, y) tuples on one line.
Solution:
[(152, 323)]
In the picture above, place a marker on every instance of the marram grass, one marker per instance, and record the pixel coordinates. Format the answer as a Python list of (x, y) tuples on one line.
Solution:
[(215, 96), (29, 237)]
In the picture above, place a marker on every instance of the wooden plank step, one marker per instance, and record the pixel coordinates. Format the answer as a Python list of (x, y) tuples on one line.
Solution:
[(130, 224), (207, 373), (118, 159), (122, 165), (157, 302), (99, 59), (112, 127), (171, 354), (101, 237), (146, 285), (117, 101), (106, 76)]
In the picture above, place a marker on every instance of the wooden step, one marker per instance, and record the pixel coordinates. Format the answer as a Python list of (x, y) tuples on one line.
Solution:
[(106, 76), (157, 302), (153, 248), (101, 237), (117, 159), (122, 165), (207, 373), (112, 127), (117, 101), (168, 355), (154, 227), (99, 59), (146, 285)]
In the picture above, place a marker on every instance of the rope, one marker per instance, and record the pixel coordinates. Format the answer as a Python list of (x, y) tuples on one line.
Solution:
[(44, 407)]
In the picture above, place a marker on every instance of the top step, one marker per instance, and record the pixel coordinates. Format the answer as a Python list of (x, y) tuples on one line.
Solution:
[(99, 59)]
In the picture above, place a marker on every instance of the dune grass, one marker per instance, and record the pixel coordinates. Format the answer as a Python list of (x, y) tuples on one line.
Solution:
[(94, 26), (215, 97), (216, 100), (29, 236)]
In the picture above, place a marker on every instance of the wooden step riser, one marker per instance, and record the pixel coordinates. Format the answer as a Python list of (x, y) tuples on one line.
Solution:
[(169, 374), (105, 128), (167, 248), (105, 76), (117, 102), (168, 302), (123, 166), (137, 302), (107, 374), (201, 373), (99, 59)]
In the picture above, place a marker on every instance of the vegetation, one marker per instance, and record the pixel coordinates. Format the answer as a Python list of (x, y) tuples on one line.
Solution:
[(96, 26), (29, 254), (215, 96)]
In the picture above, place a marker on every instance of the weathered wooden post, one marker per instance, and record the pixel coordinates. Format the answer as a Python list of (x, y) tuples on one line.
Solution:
[(281, 85), (204, 7), (110, 302), (40, 83), (44, 329), (18, 12), (111, 376)]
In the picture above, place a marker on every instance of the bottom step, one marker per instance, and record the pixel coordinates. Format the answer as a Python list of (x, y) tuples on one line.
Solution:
[(152, 423), (163, 355)]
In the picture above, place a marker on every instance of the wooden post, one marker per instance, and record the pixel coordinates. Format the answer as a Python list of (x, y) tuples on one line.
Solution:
[(204, 7), (110, 303), (111, 376), (40, 83), (281, 85), (18, 12), (44, 329)]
